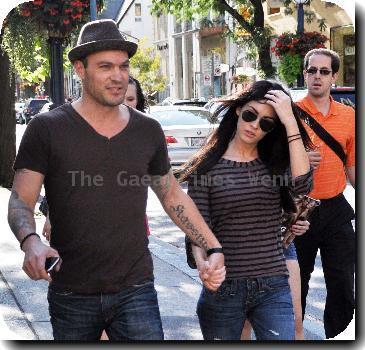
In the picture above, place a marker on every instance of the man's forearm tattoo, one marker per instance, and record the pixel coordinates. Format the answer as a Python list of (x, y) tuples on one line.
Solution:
[(195, 235), (162, 185), (20, 216)]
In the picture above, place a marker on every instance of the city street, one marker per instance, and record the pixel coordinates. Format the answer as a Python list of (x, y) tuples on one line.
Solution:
[(23, 303)]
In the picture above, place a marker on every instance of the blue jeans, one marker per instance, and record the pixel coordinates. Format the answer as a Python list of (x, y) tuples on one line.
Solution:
[(131, 314), (265, 301), (290, 253)]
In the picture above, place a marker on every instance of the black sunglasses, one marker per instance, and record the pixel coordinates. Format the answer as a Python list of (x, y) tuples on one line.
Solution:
[(314, 70), (267, 124)]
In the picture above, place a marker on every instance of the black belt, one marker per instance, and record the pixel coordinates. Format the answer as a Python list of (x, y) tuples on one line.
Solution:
[(328, 201)]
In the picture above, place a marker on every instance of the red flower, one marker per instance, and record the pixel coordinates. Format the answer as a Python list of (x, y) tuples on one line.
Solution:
[(37, 2), (66, 21), (69, 10), (26, 13), (53, 11), (78, 16)]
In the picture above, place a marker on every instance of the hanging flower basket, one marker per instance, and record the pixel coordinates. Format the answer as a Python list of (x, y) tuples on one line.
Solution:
[(59, 17), (291, 48), (298, 44)]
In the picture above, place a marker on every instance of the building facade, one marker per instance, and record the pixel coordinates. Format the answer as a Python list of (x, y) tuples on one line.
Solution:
[(339, 28)]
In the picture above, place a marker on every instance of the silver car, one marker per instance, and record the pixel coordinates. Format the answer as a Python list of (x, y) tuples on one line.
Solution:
[(186, 130)]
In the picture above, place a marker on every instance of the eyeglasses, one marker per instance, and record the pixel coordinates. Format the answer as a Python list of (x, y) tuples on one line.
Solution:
[(267, 124), (314, 70)]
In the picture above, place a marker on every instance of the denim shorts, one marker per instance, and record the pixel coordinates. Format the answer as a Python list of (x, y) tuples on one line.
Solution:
[(290, 253), (265, 301), (131, 314)]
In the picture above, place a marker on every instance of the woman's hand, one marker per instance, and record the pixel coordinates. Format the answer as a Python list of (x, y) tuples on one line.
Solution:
[(281, 103), (300, 227)]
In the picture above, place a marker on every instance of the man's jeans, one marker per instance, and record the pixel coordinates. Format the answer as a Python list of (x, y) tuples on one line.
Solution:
[(331, 231), (131, 314), (265, 301)]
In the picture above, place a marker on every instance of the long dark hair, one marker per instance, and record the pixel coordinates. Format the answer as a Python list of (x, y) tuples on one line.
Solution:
[(273, 149), (141, 100)]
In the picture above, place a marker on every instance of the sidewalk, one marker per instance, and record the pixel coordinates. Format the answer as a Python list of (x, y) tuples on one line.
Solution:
[(24, 307)]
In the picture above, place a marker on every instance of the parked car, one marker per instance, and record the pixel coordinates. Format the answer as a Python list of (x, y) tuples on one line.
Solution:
[(186, 129), (31, 108), (342, 94), (169, 101), (19, 106), (45, 107)]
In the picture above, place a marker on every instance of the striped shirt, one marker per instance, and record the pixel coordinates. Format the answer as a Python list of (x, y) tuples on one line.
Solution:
[(240, 202), (330, 178)]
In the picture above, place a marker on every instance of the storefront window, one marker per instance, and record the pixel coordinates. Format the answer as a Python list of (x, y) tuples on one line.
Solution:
[(343, 42)]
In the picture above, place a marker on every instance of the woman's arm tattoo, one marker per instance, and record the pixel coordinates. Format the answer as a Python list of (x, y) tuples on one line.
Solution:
[(20, 216), (195, 235)]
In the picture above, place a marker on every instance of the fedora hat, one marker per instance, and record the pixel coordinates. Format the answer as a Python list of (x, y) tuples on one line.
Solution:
[(100, 35)]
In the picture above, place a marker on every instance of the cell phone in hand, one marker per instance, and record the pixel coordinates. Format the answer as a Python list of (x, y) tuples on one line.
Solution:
[(51, 263)]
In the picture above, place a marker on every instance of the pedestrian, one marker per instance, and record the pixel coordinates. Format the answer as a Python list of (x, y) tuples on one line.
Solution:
[(134, 98), (240, 181), (331, 229), (96, 159)]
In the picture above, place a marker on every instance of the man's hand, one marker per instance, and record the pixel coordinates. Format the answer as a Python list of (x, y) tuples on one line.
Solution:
[(212, 278), (215, 271), (36, 253), (47, 229), (314, 158), (300, 227)]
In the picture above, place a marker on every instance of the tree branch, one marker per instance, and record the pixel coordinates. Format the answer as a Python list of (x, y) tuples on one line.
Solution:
[(234, 13), (258, 17)]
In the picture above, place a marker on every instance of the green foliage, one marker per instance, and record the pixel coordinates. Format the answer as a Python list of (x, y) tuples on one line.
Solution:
[(28, 27), (22, 40), (322, 24), (145, 67), (289, 68), (309, 16)]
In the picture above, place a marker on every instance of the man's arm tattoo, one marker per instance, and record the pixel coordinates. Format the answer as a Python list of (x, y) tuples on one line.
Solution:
[(161, 186), (20, 216), (195, 235)]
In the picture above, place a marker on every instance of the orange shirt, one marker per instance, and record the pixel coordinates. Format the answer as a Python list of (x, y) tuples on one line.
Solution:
[(329, 179)]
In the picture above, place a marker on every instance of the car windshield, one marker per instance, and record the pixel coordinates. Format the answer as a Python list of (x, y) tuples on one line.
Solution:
[(37, 103), (181, 117)]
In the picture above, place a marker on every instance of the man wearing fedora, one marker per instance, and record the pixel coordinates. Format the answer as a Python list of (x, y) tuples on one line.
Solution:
[(96, 158)]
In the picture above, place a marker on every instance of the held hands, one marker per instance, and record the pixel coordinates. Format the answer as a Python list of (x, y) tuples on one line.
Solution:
[(212, 272), (281, 103), (36, 253)]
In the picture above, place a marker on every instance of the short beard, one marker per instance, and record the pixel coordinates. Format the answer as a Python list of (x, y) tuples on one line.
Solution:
[(98, 97)]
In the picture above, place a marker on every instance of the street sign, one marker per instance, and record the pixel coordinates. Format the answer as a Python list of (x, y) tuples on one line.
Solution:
[(217, 71), (207, 80), (224, 67)]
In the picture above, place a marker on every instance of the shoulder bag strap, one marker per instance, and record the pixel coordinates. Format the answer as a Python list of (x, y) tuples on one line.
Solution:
[(324, 135)]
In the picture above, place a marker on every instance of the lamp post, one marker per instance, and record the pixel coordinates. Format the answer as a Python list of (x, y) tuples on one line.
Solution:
[(300, 27), (93, 10), (56, 62), (300, 30)]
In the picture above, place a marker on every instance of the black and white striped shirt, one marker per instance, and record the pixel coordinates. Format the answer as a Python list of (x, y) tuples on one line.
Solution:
[(240, 202)]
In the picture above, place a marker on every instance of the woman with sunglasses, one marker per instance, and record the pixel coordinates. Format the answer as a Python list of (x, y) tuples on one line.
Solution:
[(241, 181)]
